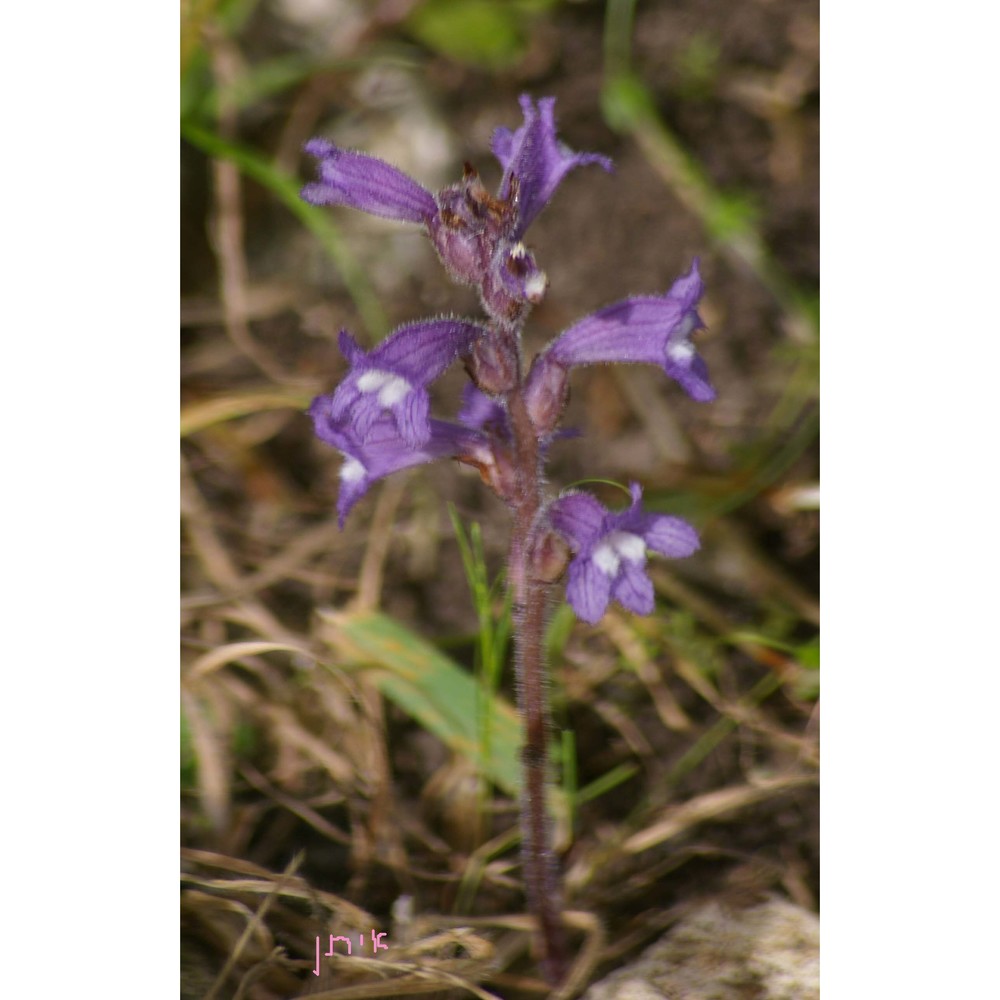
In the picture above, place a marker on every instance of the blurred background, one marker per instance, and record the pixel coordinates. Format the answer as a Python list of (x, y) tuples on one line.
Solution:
[(349, 751)]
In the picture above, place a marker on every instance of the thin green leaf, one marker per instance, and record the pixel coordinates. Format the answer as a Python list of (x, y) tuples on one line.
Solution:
[(286, 188), (434, 690), (602, 785)]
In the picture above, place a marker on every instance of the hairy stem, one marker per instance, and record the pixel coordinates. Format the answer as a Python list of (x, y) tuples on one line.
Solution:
[(530, 597)]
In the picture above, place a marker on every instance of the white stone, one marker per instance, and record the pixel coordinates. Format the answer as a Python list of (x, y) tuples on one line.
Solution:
[(769, 951)]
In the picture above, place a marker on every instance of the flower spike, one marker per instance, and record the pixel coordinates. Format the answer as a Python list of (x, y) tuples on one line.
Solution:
[(379, 419)]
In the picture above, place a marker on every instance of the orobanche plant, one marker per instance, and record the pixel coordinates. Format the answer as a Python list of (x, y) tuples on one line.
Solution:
[(379, 416)]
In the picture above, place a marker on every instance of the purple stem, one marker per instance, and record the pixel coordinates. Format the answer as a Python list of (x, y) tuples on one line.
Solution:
[(530, 597)]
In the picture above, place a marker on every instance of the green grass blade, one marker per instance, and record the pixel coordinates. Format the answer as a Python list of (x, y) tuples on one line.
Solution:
[(629, 106), (286, 188), (433, 689)]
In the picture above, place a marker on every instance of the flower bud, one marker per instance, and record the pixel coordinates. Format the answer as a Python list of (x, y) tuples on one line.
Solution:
[(548, 556), (512, 283), (469, 225), (493, 363), (458, 237), (546, 393)]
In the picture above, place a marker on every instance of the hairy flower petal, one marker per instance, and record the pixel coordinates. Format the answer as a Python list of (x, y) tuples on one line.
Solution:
[(480, 411), (383, 451), (534, 155), (393, 377), (588, 591), (633, 590), (579, 517), (644, 330), (670, 536), (367, 183), (610, 551)]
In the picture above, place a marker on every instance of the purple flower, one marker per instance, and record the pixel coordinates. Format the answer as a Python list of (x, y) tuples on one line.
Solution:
[(610, 551), (477, 236), (649, 329), (367, 183), (534, 161), (383, 451), (392, 377)]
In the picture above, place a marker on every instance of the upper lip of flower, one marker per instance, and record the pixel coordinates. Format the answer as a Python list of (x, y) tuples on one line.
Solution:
[(535, 161), (366, 183)]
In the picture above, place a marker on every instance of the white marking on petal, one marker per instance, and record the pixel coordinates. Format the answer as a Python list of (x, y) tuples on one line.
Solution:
[(681, 351), (352, 471), (679, 347), (391, 388), (393, 391), (518, 251), (373, 380), (605, 558), (628, 546), (534, 287), (614, 548)]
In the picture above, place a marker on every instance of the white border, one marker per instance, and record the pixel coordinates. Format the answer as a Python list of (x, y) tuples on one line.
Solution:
[(909, 226), (90, 741)]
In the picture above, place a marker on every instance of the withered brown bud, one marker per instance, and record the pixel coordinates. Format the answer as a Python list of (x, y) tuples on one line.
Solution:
[(496, 467)]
